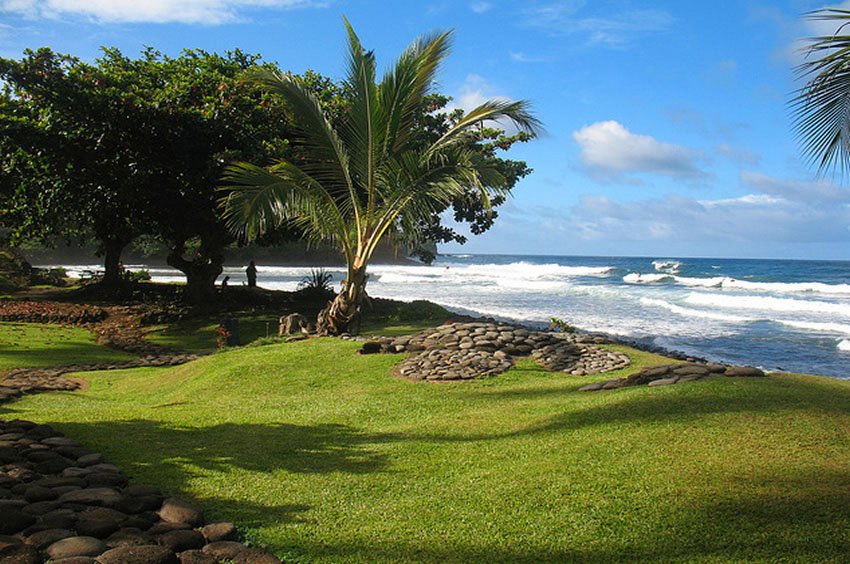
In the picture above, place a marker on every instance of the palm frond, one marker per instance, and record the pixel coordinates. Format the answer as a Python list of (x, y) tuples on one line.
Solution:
[(517, 112), (821, 108), (258, 199), (329, 157)]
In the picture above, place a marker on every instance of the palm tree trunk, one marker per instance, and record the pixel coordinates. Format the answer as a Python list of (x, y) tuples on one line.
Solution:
[(343, 310)]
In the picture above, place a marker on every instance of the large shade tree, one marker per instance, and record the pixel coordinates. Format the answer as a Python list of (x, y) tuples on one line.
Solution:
[(368, 175), (822, 106)]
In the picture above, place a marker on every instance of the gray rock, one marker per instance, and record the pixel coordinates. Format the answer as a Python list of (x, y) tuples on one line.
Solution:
[(13, 520), (178, 541), (215, 532), (149, 554), (43, 539), (224, 550), (76, 546), (176, 510), (663, 382), (91, 496)]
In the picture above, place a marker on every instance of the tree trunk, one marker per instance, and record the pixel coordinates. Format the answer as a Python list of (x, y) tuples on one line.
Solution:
[(344, 309), (201, 272), (112, 275)]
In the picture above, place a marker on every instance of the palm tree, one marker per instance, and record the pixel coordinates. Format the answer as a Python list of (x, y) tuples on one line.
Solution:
[(821, 108), (366, 177)]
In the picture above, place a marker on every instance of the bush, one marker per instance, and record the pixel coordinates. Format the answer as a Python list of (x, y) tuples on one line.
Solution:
[(419, 310), (317, 286)]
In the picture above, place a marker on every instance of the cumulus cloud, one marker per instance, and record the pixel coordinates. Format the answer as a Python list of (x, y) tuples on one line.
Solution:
[(609, 151), (777, 211), (209, 12), (613, 29), (795, 190), (480, 7)]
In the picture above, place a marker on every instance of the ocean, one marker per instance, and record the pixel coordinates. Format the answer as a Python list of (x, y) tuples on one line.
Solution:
[(775, 314)]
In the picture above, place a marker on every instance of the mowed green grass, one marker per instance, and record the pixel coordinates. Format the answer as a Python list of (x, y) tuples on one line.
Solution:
[(40, 344), (322, 455)]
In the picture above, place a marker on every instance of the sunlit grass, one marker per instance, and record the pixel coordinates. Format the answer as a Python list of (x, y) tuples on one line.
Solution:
[(323, 455)]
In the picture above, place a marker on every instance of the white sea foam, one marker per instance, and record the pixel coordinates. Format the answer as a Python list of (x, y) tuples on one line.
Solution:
[(638, 278), (689, 312), (766, 303), (728, 283), (667, 266), (844, 345), (817, 326)]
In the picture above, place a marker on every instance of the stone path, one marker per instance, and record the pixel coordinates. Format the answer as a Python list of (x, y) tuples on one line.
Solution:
[(463, 351), (62, 502)]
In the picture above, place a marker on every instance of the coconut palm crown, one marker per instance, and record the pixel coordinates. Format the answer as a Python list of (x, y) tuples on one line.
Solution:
[(821, 108), (363, 178)]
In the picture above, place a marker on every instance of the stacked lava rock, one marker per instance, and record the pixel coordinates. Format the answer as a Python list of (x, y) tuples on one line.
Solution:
[(461, 351), (61, 502), (669, 374)]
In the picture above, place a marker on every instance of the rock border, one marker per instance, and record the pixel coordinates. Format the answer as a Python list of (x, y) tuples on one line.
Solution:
[(60, 500), (669, 374)]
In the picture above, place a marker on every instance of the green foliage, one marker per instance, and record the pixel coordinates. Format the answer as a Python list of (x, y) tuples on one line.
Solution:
[(317, 286), (346, 462), (561, 326)]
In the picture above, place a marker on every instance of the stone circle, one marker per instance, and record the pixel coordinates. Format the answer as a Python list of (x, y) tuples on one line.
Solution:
[(464, 351)]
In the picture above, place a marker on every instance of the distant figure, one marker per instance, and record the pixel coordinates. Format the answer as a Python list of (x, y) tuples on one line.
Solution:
[(224, 282), (251, 272)]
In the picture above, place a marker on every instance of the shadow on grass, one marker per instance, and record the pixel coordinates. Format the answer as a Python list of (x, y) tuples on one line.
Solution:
[(41, 356), (643, 405), (803, 519), (220, 448)]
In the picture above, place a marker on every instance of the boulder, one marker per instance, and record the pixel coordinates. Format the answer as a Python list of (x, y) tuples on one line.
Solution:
[(149, 554), (76, 546), (176, 510)]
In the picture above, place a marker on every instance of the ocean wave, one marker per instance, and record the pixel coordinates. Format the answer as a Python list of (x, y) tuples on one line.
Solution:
[(844, 345), (638, 278), (697, 313), (817, 326), (667, 266), (728, 283), (767, 303)]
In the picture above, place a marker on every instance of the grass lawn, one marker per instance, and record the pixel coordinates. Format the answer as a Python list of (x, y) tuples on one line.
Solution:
[(38, 344), (199, 335), (322, 455)]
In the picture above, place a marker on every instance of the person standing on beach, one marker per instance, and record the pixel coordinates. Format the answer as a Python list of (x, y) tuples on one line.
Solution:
[(251, 272)]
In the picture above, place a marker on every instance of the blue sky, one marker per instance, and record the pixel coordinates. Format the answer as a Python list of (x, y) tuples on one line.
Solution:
[(668, 131)]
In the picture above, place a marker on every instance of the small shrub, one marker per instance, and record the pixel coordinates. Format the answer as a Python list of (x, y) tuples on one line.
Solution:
[(137, 276), (222, 335), (560, 326), (317, 286), (419, 310)]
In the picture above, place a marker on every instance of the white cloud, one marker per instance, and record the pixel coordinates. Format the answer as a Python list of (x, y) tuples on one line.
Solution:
[(780, 211), (521, 57), (612, 29), (609, 151), (480, 7), (795, 190), (209, 12)]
